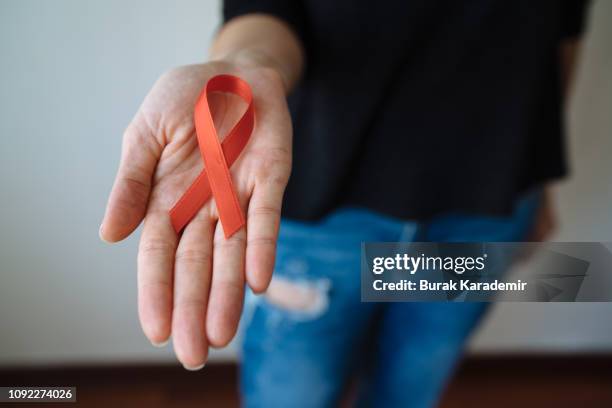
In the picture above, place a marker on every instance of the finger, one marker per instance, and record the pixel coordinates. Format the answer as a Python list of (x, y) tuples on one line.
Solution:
[(192, 270), (129, 196), (227, 289), (263, 221), (155, 264)]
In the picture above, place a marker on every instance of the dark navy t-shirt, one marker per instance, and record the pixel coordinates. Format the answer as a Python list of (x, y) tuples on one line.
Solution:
[(417, 107)]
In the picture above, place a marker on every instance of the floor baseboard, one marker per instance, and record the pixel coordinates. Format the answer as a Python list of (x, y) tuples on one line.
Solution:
[(480, 381)]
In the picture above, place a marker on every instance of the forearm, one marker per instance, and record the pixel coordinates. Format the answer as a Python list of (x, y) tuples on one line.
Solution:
[(260, 40), (568, 56)]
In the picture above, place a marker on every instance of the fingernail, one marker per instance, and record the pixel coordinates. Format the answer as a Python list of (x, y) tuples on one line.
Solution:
[(161, 343), (101, 235), (195, 368)]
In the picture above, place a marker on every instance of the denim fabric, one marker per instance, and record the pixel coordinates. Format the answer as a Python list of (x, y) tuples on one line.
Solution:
[(389, 355)]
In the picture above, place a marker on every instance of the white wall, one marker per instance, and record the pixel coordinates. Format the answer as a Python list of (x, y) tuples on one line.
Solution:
[(71, 75)]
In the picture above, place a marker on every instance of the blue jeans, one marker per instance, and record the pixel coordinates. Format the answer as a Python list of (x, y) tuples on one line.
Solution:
[(388, 354)]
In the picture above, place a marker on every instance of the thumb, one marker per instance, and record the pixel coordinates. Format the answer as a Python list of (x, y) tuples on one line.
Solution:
[(129, 196)]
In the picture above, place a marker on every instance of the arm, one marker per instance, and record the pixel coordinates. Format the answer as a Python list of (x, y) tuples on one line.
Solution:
[(261, 40), (546, 219), (192, 286), (568, 56)]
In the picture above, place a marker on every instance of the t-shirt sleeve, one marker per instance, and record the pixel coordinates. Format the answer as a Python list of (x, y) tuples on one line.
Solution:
[(290, 11), (573, 16)]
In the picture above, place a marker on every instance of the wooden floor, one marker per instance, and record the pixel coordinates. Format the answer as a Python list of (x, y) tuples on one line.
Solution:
[(490, 381)]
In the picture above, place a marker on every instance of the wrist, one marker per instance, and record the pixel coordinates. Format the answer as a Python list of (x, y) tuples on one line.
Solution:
[(263, 64)]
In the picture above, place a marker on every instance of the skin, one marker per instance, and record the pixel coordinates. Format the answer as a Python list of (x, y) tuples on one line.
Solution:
[(192, 286), (546, 220)]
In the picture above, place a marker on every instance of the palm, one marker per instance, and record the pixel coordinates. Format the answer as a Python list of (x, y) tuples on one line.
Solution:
[(192, 285)]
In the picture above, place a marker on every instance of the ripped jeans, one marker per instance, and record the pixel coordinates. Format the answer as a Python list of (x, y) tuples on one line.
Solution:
[(310, 338)]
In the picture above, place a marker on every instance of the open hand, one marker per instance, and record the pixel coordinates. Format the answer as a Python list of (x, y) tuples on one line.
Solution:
[(192, 286)]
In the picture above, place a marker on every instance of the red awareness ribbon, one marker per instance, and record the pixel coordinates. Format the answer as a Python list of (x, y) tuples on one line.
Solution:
[(215, 179)]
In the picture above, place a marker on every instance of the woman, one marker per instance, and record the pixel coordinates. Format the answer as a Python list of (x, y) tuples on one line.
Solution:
[(413, 120)]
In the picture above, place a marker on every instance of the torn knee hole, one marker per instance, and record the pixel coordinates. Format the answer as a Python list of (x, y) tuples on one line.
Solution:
[(302, 296)]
